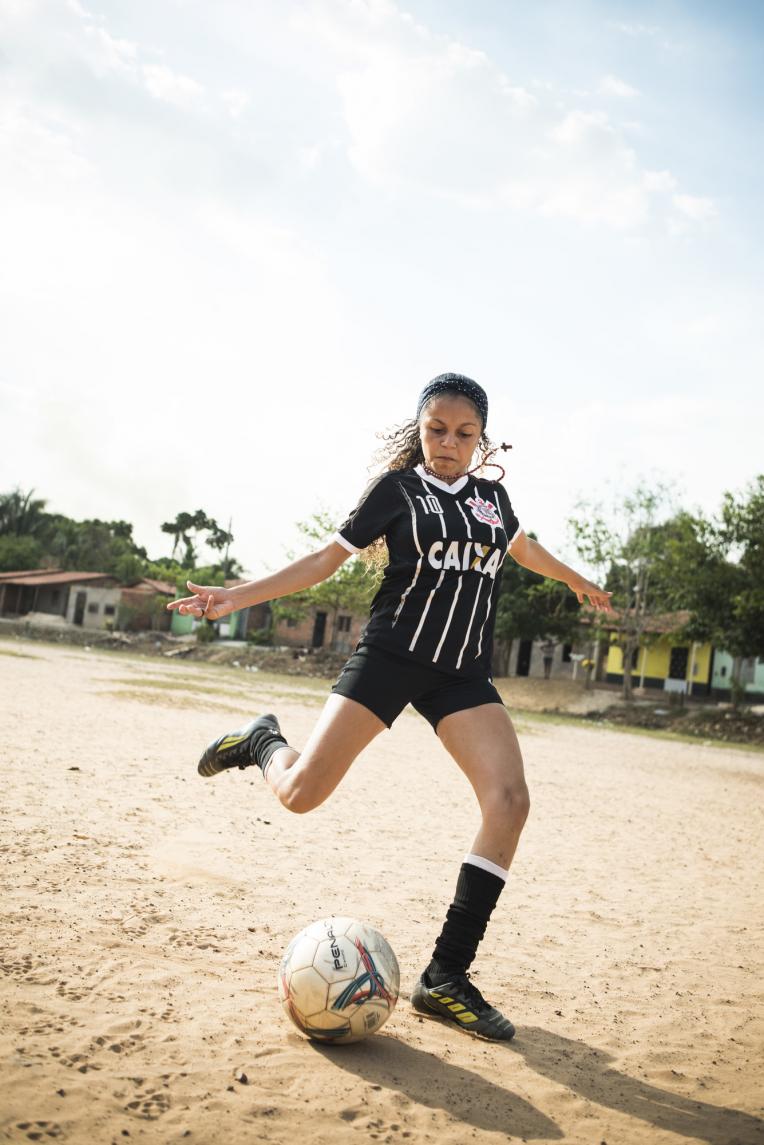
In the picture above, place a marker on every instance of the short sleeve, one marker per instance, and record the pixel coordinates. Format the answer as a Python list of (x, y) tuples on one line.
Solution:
[(371, 516), (512, 526)]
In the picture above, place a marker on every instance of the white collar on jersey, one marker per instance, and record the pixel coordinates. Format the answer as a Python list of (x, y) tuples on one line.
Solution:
[(457, 485)]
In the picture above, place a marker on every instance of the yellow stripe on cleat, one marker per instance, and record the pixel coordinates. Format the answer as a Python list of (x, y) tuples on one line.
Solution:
[(457, 1006), (231, 741), (467, 1017)]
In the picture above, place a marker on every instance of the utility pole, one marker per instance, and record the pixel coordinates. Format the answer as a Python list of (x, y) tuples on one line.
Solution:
[(227, 546)]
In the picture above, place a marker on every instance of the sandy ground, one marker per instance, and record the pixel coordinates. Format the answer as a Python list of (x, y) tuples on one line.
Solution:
[(144, 912)]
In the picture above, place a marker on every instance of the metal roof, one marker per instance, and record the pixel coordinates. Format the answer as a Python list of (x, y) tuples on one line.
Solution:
[(45, 577)]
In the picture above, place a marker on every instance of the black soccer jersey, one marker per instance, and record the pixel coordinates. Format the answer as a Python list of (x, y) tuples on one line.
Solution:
[(447, 544)]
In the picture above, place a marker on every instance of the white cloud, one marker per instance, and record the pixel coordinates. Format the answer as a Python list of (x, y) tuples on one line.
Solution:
[(236, 102), (659, 181), (695, 208), (38, 151), (165, 84), (116, 54), (426, 113), (612, 85), (634, 29)]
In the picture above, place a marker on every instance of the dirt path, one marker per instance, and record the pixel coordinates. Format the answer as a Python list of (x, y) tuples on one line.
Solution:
[(145, 910)]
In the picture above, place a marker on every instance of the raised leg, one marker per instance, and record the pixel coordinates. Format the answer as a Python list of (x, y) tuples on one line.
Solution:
[(303, 780)]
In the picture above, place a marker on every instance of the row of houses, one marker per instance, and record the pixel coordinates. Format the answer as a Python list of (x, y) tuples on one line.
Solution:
[(95, 600), (662, 662), (84, 599)]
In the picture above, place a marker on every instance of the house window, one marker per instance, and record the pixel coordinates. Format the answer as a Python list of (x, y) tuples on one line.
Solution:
[(291, 622), (723, 671), (343, 623), (566, 651), (93, 607), (55, 597), (109, 610)]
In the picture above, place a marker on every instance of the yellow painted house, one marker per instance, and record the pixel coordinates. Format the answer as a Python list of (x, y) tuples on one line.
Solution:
[(663, 660)]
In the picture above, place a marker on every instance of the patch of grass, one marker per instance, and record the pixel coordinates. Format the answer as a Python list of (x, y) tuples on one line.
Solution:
[(163, 693), (162, 685), (281, 686), (654, 733), (18, 655), (164, 700)]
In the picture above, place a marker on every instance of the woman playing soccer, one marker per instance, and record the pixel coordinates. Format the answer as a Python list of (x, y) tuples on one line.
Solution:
[(428, 643)]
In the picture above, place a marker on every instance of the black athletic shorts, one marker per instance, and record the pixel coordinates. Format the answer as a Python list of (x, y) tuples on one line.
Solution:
[(384, 683)]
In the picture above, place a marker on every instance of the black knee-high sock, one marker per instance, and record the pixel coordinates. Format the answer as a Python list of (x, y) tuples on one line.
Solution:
[(478, 888)]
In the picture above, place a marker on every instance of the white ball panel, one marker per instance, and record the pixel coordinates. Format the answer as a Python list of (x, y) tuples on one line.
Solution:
[(300, 952), (308, 991)]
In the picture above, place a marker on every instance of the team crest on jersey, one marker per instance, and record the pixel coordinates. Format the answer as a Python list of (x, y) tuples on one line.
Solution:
[(484, 511)]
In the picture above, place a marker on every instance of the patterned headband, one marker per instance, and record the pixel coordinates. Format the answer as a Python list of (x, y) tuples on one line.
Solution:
[(455, 384)]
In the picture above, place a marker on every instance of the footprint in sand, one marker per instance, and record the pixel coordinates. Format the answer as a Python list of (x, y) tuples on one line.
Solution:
[(39, 1130), (375, 1128), (80, 1062), (150, 1105), (202, 939), (55, 1025), (70, 993), (30, 968)]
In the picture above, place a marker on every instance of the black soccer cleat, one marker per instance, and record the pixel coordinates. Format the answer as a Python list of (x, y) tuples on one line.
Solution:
[(461, 1002), (242, 748)]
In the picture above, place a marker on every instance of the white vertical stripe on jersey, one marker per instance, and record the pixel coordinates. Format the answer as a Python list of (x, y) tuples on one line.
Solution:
[(418, 568), (441, 515), (469, 530), (482, 626), (472, 617), (448, 622), (488, 609), (426, 609)]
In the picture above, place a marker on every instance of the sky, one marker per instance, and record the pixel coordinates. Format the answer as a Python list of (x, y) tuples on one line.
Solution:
[(238, 237)]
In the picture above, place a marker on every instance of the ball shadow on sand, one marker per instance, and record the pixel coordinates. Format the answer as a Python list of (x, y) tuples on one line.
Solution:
[(429, 1081), (587, 1071)]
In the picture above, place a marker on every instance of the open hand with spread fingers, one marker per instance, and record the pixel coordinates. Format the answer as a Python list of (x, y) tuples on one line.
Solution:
[(209, 602), (597, 597)]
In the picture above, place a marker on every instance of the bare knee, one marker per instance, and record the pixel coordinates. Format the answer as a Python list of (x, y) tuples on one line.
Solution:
[(509, 804), (297, 800)]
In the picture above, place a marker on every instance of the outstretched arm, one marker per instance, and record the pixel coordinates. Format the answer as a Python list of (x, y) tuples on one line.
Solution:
[(212, 602), (531, 555)]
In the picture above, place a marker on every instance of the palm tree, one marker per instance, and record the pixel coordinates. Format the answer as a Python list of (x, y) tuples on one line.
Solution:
[(21, 515)]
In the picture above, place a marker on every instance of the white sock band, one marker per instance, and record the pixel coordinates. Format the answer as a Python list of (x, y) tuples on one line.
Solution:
[(487, 865)]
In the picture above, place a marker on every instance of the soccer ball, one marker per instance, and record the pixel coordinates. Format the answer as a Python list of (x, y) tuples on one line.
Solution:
[(338, 980)]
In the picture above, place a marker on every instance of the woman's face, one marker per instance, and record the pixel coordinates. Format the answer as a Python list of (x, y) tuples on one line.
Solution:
[(449, 429)]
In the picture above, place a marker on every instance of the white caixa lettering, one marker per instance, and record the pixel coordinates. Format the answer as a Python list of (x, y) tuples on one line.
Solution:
[(466, 556)]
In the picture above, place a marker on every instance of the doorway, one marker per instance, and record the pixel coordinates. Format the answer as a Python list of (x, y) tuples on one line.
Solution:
[(319, 630), (524, 658), (79, 607), (678, 664)]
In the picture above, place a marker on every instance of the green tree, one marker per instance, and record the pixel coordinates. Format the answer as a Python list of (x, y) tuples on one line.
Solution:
[(350, 589), (199, 524), (531, 607), (21, 514), (625, 546), (714, 568), (91, 545), (17, 553)]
